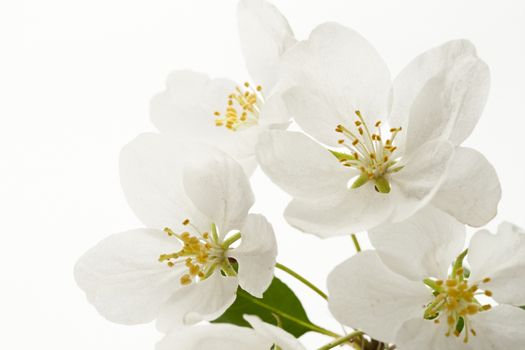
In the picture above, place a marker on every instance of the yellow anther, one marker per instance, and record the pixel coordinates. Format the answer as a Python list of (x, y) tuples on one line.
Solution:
[(186, 222), (340, 142), (246, 84), (185, 280), (378, 124), (487, 280), (488, 293)]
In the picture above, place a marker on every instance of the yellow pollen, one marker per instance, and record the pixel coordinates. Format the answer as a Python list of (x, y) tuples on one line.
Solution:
[(243, 108)]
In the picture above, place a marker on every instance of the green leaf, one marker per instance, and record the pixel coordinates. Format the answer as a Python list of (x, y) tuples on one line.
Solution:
[(278, 296)]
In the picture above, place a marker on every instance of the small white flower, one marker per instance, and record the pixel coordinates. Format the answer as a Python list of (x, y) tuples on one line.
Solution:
[(220, 112), (344, 98), (195, 201), (262, 336), (415, 292)]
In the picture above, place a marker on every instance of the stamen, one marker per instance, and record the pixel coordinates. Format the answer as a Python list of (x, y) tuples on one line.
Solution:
[(243, 108)]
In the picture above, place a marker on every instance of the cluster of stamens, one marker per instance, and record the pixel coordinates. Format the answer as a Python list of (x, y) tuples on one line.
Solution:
[(369, 152), (200, 254), (243, 109), (456, 301)]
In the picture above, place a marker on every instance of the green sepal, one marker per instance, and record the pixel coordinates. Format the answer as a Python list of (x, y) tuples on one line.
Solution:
[(341, 156), (382, 185), (278, 296), (522, 307), (360, 181)]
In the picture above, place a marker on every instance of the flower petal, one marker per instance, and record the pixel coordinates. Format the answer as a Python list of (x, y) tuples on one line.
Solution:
[(502, 258), (353, 211), (265, 36), (421, 176), (471, 191), (314, 115), (185, 110), (300, 166), (500, 328), (216, 337), (274, 113), (450, 104), (151, 176), (204, 300), (276, 335), (425, 245), (123, 278), (340, 67), (364, 294), (256, 255), (418, 333), (219, 188), (408, 84)]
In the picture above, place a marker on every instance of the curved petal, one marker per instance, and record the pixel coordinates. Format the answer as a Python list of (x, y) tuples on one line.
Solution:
[(377, 305), (471, 191), (408, 84), (502, 258), (265, 36), (151, 177), (274, 113), (499, 328), (219, 188), (425, 245), (314, 115), (185, 110), (204, 300), (449, 104), (355, 210), (123, 278), (418, 334), (300, 166), (256, 255), (216, 337), (422, 174), (279, 337), (340, 67)]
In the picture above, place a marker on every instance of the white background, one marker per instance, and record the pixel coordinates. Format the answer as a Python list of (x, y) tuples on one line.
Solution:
[(78, 89)]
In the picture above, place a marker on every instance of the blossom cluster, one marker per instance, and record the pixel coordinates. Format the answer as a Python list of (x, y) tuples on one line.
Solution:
[(372, 154)]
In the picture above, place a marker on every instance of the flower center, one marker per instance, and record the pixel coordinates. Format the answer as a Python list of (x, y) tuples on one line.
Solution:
[(456, 301), (372, 155), (243, 109), (201, 254)]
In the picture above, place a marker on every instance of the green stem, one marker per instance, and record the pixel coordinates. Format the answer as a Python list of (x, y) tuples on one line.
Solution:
[(356, 243), (302, 280), (341, 340), (232, 239), (308, 325)]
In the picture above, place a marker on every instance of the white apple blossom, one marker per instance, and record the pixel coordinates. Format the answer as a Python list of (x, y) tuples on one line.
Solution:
[(417, 292), (195, 202), (262, 336), (220, 112), (361, 172)]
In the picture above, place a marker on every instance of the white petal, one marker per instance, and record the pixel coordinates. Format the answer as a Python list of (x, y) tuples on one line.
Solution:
[(500, 328), (355, 210), (301, 166), (314, 115), (276, 335), (418, 334), (219, 188), (274, 113), (185, 110), (423, 173), (416, 74), (265, 36), (123, 278), (340, 67), (256, 255), (450, 104), (502, 258), (471, 191), (151, 176), (205, 300), (425, 245), (216, 337), (364, 294)]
